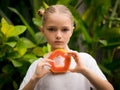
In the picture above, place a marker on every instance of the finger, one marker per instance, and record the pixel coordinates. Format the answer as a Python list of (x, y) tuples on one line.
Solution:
[(71, 70), (47, 64), (72, 53), (48, 60), (75, 55)]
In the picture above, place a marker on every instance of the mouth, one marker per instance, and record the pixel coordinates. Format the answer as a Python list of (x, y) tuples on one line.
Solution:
[(58, 42)]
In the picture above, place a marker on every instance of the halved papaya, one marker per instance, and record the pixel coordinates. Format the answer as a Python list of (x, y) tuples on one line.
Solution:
[(61, 61)]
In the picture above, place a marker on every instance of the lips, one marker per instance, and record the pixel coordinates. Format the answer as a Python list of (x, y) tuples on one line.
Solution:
[(58, 42)]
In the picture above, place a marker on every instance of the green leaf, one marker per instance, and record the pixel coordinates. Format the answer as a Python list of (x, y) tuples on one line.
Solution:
[(16, 31), (14, 54), (37, 21), (29, 57), (41, 51), (105, 70), (104, 42), (38, 51), (40, 38), (11, 44), (29, 28), (6, 28), (10, 30), (21, 47), (16, 63), (1, 37), (109, 33), (65, 2), (19, 29), (28, 43), (45, 5), (7, 68), (15, 85), (2, 52), (48, 48), (113, 44)]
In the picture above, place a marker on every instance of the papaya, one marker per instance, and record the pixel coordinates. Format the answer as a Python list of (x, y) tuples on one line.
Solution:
[(61, 61)]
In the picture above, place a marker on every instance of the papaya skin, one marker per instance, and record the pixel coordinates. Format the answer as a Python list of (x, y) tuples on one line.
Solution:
[(66, 63)]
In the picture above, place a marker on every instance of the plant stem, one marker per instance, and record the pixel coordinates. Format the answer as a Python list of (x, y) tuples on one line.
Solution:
[(114, 12)]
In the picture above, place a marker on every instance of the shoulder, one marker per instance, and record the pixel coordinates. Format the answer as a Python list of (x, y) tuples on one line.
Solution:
[(86, 56), (88, 59), (91, 63)]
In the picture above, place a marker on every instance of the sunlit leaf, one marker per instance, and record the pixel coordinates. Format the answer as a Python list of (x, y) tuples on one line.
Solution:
[(48, 47), (16, 63), (45, 5), (10, 30), (12, 44), (16, 31), (6, 28), (104, 42), (19, 29), (30, 57), (21, 47), (38, 51), (28, 43)]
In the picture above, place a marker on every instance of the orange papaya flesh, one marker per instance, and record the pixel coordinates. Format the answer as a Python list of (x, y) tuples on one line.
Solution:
[(61, 61)]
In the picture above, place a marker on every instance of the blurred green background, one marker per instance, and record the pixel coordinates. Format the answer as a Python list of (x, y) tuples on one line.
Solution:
[(97, 32)]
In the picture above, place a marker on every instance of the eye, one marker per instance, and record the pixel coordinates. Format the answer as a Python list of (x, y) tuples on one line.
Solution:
[(65, 29), (51, 29)]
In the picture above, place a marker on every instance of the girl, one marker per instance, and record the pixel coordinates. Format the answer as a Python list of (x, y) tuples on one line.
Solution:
[(84, 73)]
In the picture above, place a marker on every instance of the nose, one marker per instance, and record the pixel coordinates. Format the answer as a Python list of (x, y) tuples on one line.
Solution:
[(58, 35)]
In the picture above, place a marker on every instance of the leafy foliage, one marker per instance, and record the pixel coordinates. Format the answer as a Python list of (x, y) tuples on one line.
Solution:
[(97, 32), (15, 57)]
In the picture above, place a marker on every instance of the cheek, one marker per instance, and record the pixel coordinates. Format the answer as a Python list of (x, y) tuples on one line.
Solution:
[(67, 37), (49, 38)]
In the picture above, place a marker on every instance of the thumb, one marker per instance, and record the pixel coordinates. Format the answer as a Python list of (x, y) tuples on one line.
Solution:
[(72, 70)]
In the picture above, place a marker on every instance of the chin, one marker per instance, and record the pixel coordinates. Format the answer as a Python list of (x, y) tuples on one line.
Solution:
[(60, 47)]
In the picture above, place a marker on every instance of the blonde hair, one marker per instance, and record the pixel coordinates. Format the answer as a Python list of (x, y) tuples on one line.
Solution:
[(54, 9)]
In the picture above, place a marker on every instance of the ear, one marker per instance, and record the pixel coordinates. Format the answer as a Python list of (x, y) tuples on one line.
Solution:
[(42, 29), (72, 31)]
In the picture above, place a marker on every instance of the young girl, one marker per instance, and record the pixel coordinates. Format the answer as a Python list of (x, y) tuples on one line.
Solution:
[(84, 73)]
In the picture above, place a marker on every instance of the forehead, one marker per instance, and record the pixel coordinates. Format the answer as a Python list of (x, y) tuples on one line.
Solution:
[(59, 18)]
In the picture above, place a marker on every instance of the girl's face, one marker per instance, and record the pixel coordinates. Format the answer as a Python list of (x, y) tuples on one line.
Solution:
[(58, 29)]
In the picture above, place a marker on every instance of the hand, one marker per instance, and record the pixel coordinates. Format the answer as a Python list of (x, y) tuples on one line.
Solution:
[(43, 67), (79, 63)]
